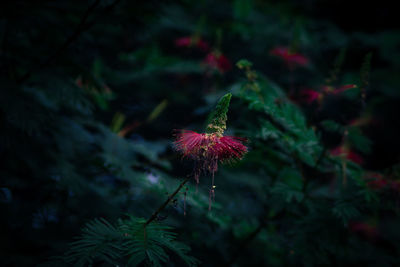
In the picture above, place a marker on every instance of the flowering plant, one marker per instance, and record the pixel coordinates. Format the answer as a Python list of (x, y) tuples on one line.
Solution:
[(292, 59), (192, 41), (210, 148), (217, 61)]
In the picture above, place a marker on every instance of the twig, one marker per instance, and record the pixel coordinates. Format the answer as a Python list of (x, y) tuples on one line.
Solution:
[(171, 197)]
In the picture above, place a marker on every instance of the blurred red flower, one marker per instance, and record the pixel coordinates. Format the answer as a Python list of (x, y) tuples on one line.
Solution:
[(192, 41), (337, 90), (310, 96), (362, 121), (363, 229), (217, 61), (347, 153), (376, 181), (292, 59)]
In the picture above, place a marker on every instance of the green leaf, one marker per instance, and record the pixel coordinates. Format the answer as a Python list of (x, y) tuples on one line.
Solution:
[(217, 119), (130, 241), (332, 126), (243, 64), (345, 210)]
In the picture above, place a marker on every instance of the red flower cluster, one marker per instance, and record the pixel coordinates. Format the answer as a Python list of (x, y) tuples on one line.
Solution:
[(192, 41), (334, 91), (217, 61), (345, 152), (377, 181), (292, 59), (214, 60), (362, 121), (209, 149), (364, 229), (309, 95)]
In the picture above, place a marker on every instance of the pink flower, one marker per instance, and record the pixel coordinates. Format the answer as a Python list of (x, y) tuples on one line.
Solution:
[(344, 88), (354, 157), (364, 229), (334, 91), (292, 59), (376, 181), (209, 149), (362, 121), (310, 96), (203, 45), (216, 60), (345, 152), (184, 41), (378, 184), (192, 41)]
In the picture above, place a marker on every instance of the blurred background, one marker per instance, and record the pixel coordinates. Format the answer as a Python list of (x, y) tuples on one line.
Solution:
[(92, 92)]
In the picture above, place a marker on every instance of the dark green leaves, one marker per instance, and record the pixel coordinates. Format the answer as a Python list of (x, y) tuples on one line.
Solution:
[(129, 242), (218, 117)]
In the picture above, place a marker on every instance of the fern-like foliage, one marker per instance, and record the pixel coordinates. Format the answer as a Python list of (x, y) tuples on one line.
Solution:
[(100, 241), (217, 119), (345, 210), (128, 243), (280, 120)]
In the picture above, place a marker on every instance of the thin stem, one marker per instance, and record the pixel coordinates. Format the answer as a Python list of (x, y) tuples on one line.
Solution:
[(184, 203), (344, 169), (162, 207), (209, 200), (211, 197)]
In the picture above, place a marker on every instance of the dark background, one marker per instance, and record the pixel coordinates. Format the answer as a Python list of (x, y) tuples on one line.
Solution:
[(70, 70)]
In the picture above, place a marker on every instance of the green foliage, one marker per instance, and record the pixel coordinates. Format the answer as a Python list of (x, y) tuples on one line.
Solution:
[(345, 211), (218, 117), (150, 243), (332, 126), (128, 243), (100, 241), (93, 91), (244, 64), (359, 140), (285, 123)]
